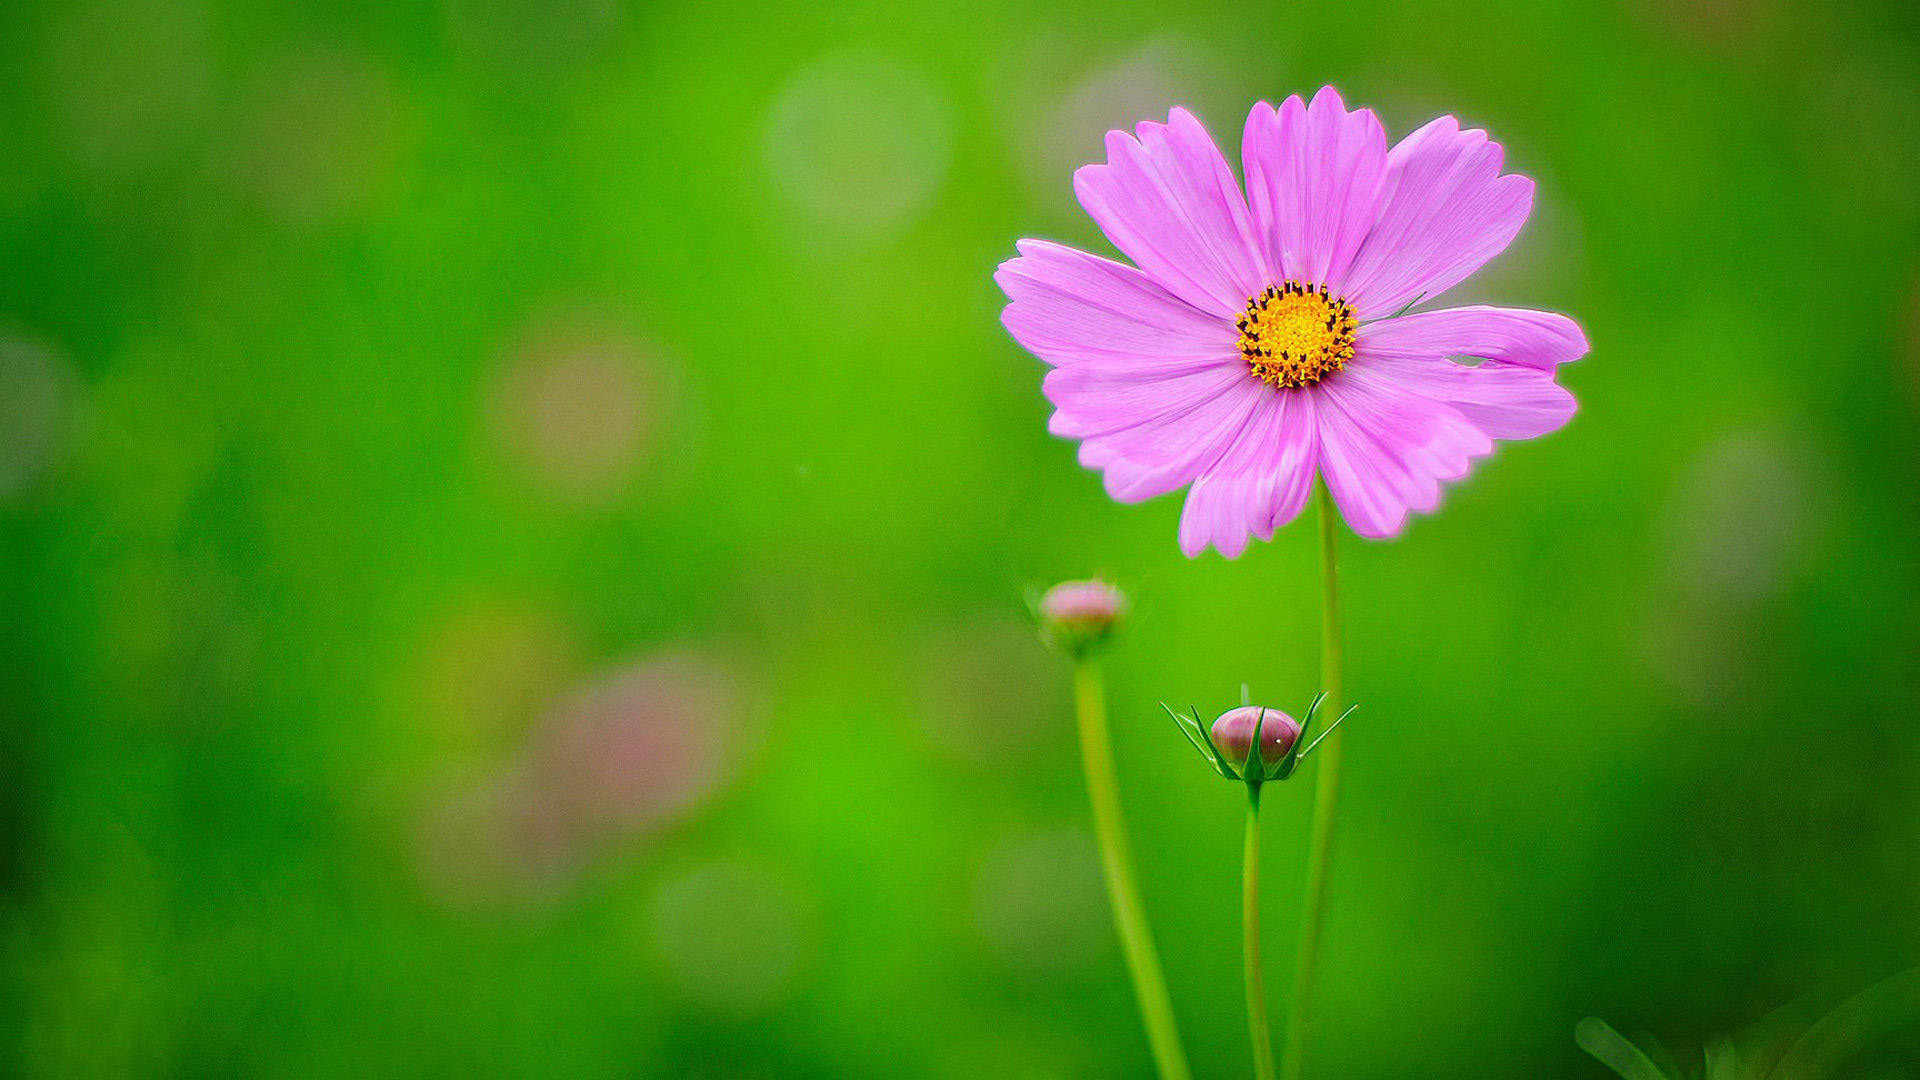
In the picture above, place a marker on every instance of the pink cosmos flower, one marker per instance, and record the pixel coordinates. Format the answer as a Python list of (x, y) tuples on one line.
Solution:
[(1259, 339)]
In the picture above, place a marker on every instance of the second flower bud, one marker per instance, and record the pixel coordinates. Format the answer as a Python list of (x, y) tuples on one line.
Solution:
[(1227, 744), (1233, 733)]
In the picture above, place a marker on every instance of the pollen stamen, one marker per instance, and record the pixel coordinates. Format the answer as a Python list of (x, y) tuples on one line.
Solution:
[(1296, 334)]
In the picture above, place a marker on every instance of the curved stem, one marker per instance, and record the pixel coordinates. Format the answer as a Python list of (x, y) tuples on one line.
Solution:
[(1250, 923), (1123, 892), (1326, 794)]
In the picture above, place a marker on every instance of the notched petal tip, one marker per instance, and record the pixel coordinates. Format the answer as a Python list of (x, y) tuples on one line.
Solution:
[(1181, 116), (1030, 247), (1379, 530), (1578, 345), (1009, 318), (1006, 274), (1328, 98), (1084, 179), (1231, 544)]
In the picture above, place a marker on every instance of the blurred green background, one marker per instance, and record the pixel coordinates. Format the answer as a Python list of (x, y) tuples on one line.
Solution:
[(512, 516)]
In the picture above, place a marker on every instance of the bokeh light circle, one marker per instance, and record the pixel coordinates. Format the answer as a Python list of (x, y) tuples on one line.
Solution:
[(580, 406), (644, 743), (731, 934), (860, 141)]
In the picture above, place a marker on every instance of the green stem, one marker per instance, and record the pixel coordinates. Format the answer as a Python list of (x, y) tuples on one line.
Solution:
[(1116, 858), (1250, 923), (1326, 794)]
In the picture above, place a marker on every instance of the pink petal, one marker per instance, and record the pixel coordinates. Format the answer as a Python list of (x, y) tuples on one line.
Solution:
[(1504, 400), (1170, 203), (1384, 450), (1098, 398), (1152, 439), (1537, 339), (1259, 484), (1315, 181), (1448, 211), (1071, 307)]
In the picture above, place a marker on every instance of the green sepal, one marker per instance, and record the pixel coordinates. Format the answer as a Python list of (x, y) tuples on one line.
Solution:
[(1408, 307), (1330, 727), (1220, 761), (1616, 1051), (1201, 741), (1284, 768), (1254, 770)]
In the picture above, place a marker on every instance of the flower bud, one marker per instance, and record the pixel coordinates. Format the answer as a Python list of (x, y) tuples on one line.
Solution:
[(1233, 733), (1075, 614)]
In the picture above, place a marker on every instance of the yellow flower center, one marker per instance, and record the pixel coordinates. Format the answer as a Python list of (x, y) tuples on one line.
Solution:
[(1296, 335)]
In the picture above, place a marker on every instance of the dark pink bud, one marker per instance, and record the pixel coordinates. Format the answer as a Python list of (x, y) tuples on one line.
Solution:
[(1233, 733)]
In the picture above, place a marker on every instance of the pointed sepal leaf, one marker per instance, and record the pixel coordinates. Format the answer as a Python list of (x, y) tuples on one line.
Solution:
[(1220, 759), (1615, 1051), (1201, 742), (1864, 1022), (1254, 769), (1330, 729)]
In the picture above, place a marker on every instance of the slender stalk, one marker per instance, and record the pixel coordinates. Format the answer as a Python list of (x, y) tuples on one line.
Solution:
[(1250, 924), (1326, 794), (1123, 892)]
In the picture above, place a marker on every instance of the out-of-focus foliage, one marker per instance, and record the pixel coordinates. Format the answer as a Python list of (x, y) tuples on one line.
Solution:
[(1874, 1032), (512, 517)]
